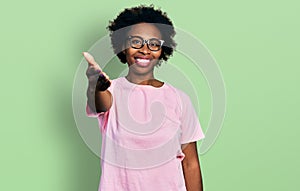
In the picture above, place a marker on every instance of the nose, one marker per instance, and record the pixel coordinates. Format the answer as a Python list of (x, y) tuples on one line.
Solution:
[(145, 49)]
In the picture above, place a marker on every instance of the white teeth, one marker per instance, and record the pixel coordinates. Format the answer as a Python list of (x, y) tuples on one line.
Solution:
[(142, 60)]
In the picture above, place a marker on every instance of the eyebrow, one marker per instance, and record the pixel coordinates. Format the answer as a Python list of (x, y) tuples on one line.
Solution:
[(144, 38)]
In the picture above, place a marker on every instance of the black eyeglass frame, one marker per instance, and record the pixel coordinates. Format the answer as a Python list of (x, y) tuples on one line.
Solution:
[(146, 42)]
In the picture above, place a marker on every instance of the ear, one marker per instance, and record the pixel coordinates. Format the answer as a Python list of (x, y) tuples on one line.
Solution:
[(123, 49)]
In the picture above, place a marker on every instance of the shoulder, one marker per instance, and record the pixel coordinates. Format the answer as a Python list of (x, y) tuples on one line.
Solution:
[(183, 99), (179, 93), (187, 103), (115, 82)]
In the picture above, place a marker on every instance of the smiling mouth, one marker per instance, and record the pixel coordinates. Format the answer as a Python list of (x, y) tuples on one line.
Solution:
[(142, 61)]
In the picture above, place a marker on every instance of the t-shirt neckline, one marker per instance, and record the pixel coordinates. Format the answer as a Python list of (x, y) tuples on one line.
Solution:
[(141, 86)]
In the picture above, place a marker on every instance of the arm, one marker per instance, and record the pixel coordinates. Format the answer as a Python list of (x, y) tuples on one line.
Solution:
[(99, 99), (191, 168)]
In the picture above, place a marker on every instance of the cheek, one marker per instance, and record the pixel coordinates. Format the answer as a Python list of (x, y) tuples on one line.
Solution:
[(128, 54), (158, 54)]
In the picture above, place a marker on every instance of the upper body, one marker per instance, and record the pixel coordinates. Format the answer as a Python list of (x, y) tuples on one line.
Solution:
[(142, 137)]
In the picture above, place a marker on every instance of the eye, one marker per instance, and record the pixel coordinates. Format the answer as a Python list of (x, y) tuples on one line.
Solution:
[(154, 43), (136, 41)]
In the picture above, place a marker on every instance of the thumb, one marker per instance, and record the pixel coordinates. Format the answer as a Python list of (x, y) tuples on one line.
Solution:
[(89, 58)]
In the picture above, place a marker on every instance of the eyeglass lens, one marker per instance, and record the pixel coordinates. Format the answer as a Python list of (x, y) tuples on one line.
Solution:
[(138, 42)]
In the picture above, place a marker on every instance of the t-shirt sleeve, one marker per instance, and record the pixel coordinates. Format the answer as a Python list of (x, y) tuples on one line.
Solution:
[(190, 125), (102, 117)]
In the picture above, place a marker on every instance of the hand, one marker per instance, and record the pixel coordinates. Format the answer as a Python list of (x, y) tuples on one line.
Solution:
[(97, 78)]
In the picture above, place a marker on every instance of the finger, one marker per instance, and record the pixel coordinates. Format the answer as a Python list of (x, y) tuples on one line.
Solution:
[(105, 75), (102, 83), (89, 58), (95, 68), (93, 71)]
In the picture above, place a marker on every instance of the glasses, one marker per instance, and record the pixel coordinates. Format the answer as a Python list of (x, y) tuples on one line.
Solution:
[(138, 42)]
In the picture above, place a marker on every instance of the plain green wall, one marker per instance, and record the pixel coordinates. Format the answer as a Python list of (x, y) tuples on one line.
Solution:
[(255, 43)]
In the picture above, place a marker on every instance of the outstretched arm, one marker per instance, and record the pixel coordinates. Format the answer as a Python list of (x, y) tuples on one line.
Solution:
[(191, 167), (99, 98)]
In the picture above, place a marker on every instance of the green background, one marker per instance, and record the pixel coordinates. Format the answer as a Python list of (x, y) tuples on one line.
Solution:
[(255, 43)]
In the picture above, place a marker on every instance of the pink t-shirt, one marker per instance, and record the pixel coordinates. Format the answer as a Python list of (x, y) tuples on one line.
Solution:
[(142, 134)]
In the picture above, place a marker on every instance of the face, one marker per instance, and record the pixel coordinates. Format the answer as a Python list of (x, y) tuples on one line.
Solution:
[(142, 60)]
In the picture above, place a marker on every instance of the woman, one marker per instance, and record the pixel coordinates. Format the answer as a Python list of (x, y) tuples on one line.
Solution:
[(149, 128)]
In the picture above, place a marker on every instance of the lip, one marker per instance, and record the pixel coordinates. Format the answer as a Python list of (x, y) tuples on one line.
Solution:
[(142, 61), (143, 57)]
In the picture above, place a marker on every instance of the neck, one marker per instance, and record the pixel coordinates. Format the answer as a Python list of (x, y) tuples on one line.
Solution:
[(145, 81), (140, 79)]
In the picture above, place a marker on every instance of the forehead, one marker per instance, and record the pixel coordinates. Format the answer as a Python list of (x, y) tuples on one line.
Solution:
[(145, 30)]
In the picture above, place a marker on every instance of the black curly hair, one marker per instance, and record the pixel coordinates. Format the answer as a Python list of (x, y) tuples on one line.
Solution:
[(141, 14)]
